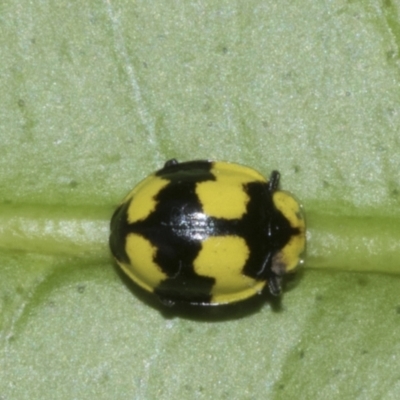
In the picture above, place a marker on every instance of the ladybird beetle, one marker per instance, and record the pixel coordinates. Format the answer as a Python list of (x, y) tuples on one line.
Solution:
[(206, 233)]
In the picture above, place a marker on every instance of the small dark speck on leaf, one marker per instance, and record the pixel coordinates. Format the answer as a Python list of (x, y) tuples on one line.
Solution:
[(221, 49), (73, 184), (301, 354), (336, 372), (390, 55), (206, 107), (362, 281), (21, 103), (319, 297), (398, 310), (296, 168), (81, 288), (387, 4)]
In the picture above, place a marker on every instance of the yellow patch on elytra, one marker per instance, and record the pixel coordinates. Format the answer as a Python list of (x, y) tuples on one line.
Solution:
[(142, 202), (142, 269), (223, 258), (225, 197), (290, 257), (290, 208)]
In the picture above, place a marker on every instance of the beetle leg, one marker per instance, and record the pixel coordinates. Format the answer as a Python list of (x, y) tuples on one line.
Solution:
[(172, 161), (165, 301), (274, 285), (274, 181)]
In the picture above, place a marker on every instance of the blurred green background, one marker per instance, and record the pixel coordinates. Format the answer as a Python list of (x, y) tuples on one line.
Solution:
[(96, 95)]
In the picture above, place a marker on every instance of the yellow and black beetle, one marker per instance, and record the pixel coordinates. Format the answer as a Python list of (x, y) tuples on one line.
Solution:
[(206, 233)]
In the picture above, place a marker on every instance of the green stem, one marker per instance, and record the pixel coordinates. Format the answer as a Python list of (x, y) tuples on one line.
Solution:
[(353, 243), (76, 231)]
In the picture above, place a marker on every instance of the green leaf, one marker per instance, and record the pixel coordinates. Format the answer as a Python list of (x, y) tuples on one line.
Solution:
[(95, 96)]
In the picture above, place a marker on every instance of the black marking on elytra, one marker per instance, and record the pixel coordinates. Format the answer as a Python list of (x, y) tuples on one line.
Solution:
[(120, 229), (176, 229), (267, 231)]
